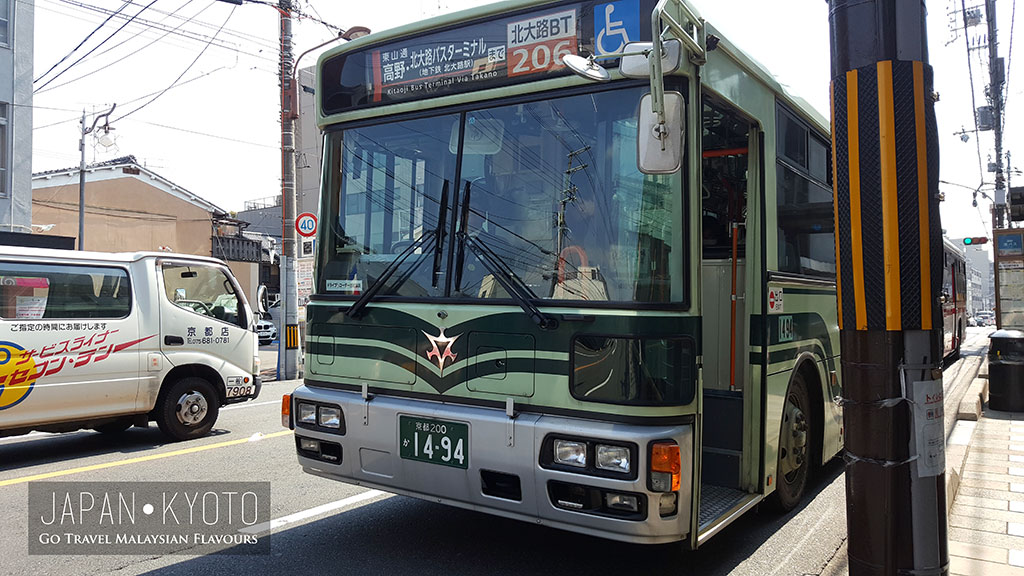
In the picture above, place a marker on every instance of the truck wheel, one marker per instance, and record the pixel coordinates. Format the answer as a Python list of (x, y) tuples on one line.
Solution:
[(113, 428), (187, 409), (794, 439)]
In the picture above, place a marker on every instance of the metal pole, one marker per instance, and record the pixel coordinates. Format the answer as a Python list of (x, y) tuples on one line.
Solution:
[(81, 188), (290, 302), (888, 261), (995, 97)]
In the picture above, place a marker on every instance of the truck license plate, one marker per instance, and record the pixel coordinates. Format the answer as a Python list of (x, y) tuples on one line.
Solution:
[(237, 391), (434, 441)]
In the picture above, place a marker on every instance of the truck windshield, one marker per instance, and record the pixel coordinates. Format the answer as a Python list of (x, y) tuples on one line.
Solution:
[(550, 187)]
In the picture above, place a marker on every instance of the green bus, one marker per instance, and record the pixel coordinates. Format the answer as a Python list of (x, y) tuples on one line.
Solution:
[(576, 267)]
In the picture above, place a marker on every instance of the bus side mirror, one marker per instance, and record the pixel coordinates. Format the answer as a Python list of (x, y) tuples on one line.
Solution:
[(635, 58), (660, 146)]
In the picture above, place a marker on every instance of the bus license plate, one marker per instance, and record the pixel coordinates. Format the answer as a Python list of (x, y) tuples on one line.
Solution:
[(434, 441)]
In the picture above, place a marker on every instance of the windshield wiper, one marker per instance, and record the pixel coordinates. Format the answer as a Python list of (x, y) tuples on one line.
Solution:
[(357, 307), (513, 284), (509, 280), (460, 256), (442, 218)]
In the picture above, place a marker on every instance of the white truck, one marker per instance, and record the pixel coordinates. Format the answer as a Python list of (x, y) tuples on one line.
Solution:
[(107, 341)]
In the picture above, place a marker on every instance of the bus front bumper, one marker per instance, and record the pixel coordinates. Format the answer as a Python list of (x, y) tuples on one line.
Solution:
[(503, 472)]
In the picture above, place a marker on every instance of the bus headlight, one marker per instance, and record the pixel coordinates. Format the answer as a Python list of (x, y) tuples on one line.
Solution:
[(330, 417), (571, 453), (614, 458), (307, 413)]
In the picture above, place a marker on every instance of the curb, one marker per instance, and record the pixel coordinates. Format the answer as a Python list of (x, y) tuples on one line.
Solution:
[(958, 445), (974, 399)]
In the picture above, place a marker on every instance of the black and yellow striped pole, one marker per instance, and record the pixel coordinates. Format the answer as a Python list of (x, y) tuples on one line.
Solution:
[(888, 259)]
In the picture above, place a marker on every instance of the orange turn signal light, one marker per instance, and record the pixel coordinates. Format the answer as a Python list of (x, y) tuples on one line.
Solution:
[(665, 459), (286, 410)]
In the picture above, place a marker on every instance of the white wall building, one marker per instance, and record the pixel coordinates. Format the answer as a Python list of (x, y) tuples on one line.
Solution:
[(16, 56), (981, 287)]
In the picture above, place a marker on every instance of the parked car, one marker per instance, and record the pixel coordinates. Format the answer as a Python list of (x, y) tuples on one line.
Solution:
[(108, 341), (267, 331)]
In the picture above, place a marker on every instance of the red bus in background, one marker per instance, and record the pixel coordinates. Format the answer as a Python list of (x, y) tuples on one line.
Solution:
[(954, 298)]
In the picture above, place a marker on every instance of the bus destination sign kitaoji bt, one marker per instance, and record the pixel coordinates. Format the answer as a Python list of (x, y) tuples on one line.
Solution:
[(479, 55), (532, 45)]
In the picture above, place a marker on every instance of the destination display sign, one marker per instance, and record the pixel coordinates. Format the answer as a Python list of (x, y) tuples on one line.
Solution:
[(482, 54)]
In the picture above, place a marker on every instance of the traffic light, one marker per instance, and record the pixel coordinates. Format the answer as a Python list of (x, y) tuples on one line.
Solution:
[(975, 240), (1016, 198)]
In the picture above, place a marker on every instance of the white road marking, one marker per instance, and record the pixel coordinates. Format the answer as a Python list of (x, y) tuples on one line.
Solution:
[(323, 509), (250, 405)]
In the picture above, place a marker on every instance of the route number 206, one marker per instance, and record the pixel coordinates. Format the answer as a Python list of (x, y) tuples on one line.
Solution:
[(540, 57)]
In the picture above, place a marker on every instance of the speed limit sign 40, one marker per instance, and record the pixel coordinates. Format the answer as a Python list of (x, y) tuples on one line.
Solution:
[(305, 224)]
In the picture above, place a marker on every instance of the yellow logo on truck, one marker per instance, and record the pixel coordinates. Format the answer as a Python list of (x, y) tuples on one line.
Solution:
[(17, 374)]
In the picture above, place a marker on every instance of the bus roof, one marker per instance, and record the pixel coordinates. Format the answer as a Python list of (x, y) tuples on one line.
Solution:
[(751, 65)]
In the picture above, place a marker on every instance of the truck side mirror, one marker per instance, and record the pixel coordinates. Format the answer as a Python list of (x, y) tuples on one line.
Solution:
[(660, 145), (262, 299)]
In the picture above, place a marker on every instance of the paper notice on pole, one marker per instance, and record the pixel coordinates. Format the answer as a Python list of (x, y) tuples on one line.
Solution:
[(928, 428), (30, 307)]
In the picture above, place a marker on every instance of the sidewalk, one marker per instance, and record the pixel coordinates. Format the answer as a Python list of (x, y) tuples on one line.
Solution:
[(986, 520)]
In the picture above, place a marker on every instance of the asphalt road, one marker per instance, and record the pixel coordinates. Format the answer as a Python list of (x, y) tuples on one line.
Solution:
[(365, 532)]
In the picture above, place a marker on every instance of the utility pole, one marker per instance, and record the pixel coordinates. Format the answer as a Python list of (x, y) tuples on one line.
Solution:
[(888, 258), (289, 367), (995, 98), (289, 344), (81, 170)]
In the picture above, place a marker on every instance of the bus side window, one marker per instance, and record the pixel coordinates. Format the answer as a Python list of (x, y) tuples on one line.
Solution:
[(724, 182)]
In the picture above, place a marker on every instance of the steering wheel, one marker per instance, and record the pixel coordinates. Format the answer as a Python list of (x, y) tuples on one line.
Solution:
[(196, 306)]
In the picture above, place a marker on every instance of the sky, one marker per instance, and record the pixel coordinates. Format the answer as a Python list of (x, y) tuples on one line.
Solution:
[(213, 127)]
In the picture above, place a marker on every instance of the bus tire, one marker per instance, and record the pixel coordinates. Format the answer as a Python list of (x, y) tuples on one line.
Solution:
[(795, 436), (187, 409)]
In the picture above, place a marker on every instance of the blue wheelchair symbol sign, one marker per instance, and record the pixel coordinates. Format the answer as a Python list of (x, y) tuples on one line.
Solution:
[(615, 24)]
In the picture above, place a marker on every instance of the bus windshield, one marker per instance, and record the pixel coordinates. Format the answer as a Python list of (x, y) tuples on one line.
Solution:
[(550, 187)]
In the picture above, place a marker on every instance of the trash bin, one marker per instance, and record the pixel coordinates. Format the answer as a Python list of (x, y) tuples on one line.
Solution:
[(1006, 371)]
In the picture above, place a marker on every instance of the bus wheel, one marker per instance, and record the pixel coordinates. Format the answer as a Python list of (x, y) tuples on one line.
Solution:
[(794, 439), (187, 409)]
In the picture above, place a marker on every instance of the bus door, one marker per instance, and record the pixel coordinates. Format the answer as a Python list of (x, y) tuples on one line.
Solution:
[(725, 162)]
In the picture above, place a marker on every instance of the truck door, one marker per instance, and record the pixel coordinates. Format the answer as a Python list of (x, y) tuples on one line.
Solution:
[(69, 342), (205, 320)]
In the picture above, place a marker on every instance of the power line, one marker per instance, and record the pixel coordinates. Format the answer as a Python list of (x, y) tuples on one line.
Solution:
[(315, 11), (227, 31), (974, 104), (185, 71), (149, 26), (143, 97), (84, 40), (123, 42), (229, 139), (186, 34), (72, 65)]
